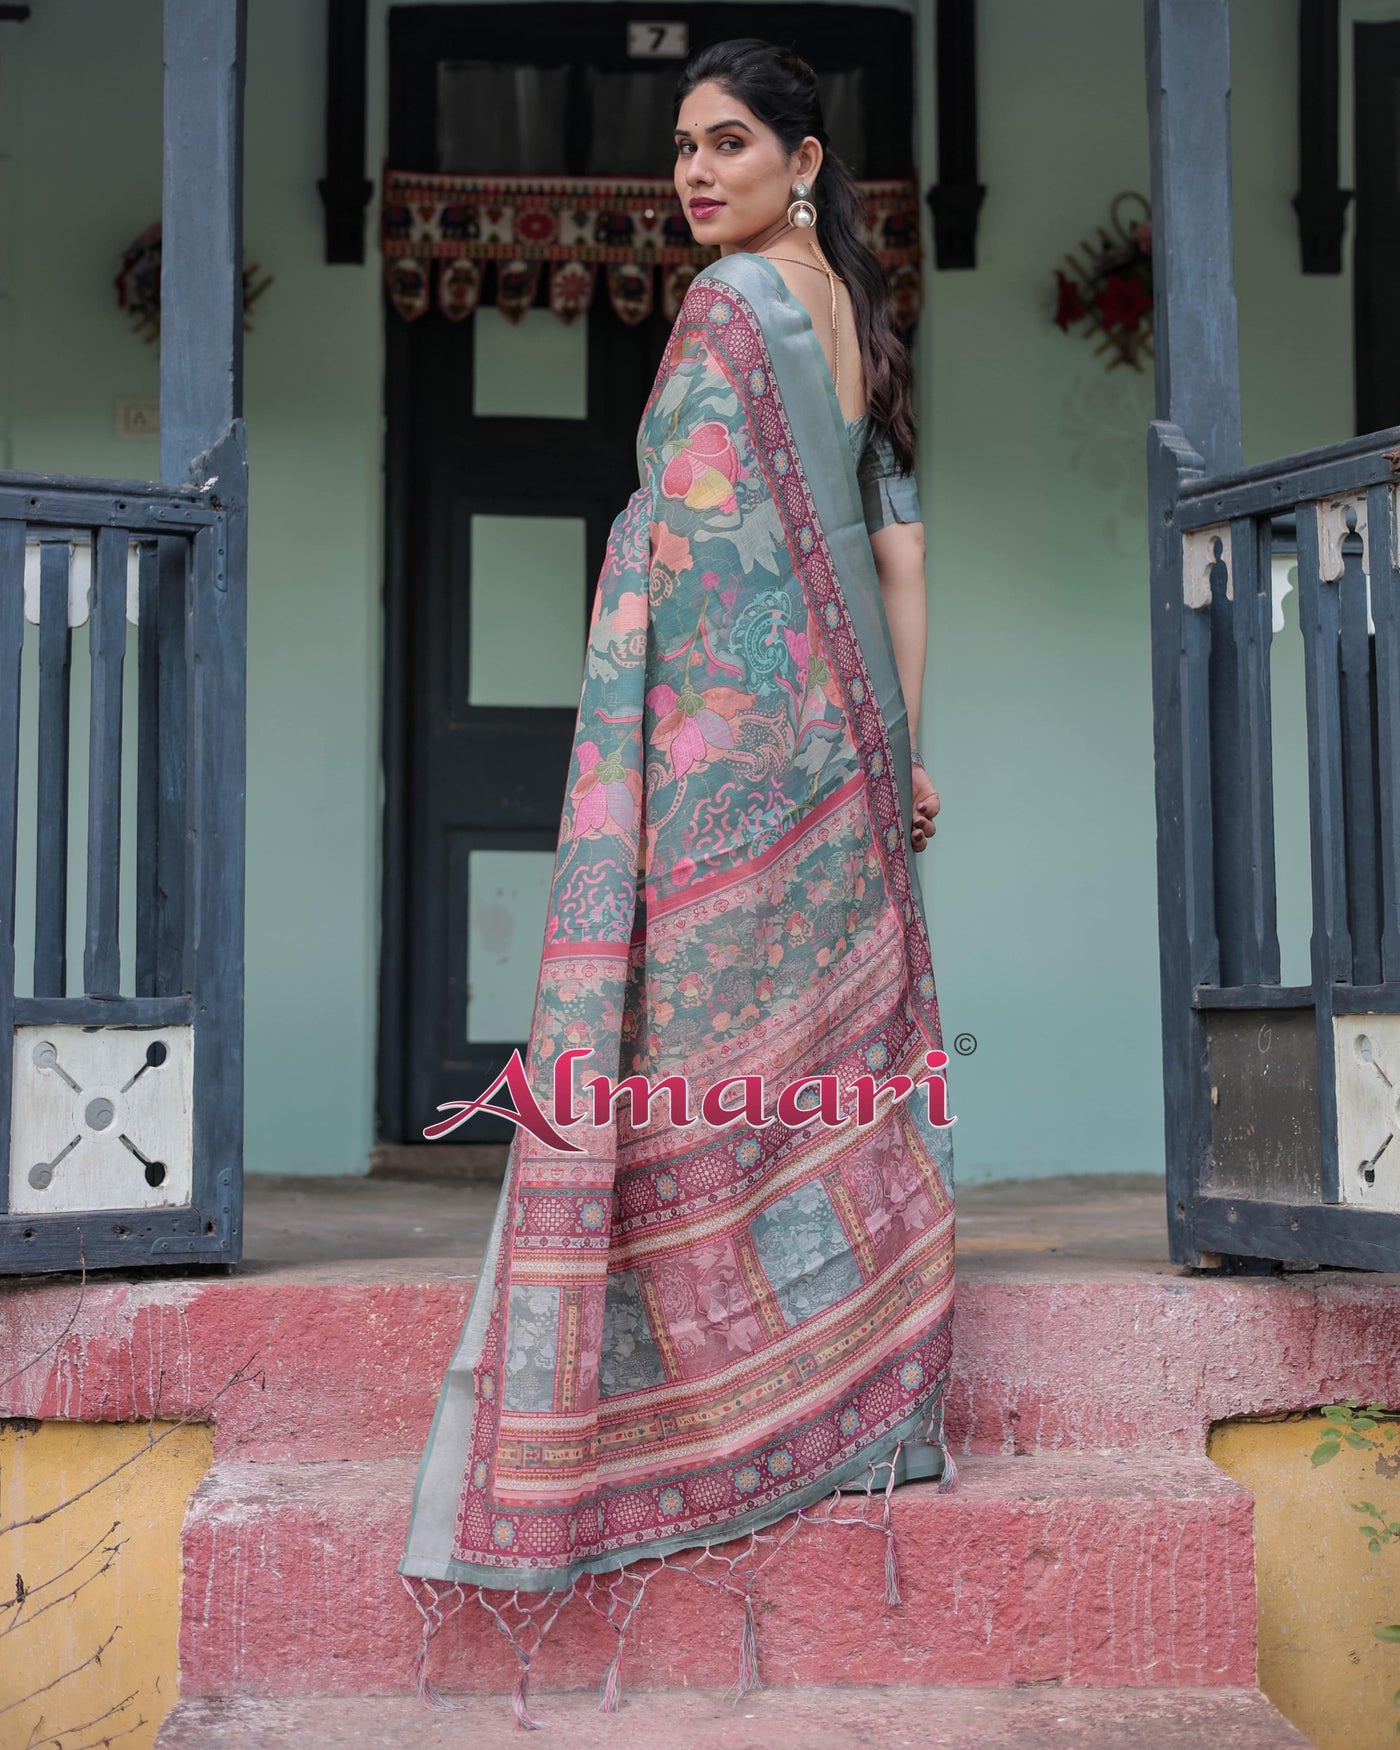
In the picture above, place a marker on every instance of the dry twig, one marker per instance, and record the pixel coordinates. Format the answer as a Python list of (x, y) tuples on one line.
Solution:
[(49, 1348)]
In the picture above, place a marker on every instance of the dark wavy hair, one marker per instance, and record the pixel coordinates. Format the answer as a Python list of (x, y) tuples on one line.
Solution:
[(779, 88)]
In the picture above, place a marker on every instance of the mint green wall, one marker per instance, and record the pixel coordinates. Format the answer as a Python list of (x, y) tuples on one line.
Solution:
[(1037, 708), (82, 178)]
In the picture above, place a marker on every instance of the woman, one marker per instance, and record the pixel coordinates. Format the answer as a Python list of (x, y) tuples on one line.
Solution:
[(684, 1333)]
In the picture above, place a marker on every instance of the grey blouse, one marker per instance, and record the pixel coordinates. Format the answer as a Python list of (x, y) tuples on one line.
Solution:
[(887, 496)]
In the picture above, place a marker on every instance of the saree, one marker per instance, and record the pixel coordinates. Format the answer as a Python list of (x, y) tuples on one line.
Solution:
[(685, 1332)]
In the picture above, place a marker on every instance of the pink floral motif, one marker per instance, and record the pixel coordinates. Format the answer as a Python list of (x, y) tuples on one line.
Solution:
[(630, 615), (694, 726), (708, 1310), (704, 472), (607, 798), (669, 550), (797, 650)]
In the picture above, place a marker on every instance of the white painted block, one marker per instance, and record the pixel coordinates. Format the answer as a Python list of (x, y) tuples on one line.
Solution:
[(1368, 1108), (80, 582), (101, 1118)]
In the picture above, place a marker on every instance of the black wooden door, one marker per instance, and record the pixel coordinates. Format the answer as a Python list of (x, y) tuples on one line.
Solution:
[(505, 471), (1376, 252)]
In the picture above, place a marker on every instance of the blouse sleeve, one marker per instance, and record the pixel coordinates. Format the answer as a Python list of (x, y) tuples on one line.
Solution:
[(887, 496)]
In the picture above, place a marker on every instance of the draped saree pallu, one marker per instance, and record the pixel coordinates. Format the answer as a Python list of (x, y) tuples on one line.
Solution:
[(683, 1335)]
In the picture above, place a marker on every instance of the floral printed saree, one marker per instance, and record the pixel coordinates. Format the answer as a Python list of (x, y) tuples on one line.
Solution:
[(684, 1334)]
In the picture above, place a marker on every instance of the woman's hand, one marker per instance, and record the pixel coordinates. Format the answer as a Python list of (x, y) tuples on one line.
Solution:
[(926, 805)]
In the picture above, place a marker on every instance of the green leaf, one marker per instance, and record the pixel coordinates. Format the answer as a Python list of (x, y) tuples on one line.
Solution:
[(1389, 1632), (1363, 1422), (1374, 1547), (1357, 1442), (1327, 1451), (1337, 1412), (1366, 1507)]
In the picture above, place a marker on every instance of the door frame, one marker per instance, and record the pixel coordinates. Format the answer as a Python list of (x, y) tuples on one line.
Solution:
[(884, 29)]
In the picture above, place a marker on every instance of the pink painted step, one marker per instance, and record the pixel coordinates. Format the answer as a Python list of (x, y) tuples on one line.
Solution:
[(1043, 1718), (345, 1361), (1090, 1570)]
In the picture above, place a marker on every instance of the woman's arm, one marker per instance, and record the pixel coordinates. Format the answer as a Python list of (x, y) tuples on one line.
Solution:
[(899, 564)]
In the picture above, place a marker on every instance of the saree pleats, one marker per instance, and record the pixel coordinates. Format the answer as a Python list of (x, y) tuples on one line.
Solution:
[(683, 1330)]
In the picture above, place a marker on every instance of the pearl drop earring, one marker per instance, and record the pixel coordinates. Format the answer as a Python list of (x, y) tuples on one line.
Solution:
[(801, 212)]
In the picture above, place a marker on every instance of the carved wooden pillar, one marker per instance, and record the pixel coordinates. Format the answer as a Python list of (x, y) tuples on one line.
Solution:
[(201, 285), (1195, 324)]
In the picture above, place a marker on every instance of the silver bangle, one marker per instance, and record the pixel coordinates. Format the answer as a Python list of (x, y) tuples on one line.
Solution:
[(916, 758)]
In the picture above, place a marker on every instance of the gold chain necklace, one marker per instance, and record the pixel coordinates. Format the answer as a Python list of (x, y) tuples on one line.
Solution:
[(825, 268)]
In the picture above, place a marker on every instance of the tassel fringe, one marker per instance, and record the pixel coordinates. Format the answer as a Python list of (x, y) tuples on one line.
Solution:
[(610, 1690), (522, 1702), (893, 1595), (732, 1570), (748, 1651)]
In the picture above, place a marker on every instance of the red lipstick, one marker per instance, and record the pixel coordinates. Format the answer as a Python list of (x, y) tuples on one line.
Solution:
[(702, 207)]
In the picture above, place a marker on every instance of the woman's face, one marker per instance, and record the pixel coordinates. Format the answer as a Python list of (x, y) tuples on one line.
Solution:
[(732, 175)]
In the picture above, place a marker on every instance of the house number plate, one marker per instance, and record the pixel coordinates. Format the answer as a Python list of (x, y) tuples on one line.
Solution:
[(658, 42)]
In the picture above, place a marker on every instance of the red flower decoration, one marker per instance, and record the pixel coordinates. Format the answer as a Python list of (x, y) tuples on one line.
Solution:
[(1069, 303), (536, 227), (1123, 302)]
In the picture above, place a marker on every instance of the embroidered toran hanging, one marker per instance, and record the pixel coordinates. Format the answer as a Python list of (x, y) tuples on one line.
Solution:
[(439, 233)]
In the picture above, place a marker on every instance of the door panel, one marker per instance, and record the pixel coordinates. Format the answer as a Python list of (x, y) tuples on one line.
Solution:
[(510, 450), (1376, 251)]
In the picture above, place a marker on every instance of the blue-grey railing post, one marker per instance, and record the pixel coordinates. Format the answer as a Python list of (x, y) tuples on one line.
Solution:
[(91, 1172), (161, 800), (1385, 612), (51, 862), (11, 651), (217, 834), (1319, 621), (1196, 350), (1196, 347), (202, 439), (1186, 900), (201, 289), (107, 649)]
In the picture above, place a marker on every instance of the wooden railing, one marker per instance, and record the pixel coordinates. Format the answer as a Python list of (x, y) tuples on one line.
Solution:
[(1283, 1102), (121, 1085)]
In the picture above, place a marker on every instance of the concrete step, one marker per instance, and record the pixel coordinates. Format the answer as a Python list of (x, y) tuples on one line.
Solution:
[(1107, 1570), (1040, 1718), (345, 1361)]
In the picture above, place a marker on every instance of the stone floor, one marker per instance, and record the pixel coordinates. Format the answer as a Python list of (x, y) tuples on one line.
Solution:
[(1106, 1225), (1029, 1718)]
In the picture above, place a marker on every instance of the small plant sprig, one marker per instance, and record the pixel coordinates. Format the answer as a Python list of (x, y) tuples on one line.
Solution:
[(1374, 1428), (1368, 1428)]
